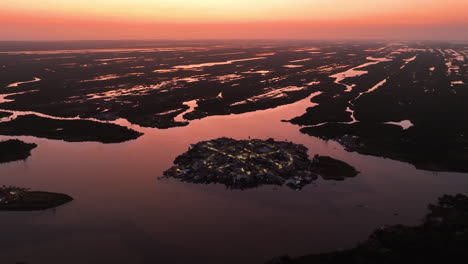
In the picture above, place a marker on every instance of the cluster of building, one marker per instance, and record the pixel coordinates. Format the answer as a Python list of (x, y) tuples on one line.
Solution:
[(242, 164), (10, 194)]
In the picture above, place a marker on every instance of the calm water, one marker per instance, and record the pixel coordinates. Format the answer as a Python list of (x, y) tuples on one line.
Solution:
[(123, 214)]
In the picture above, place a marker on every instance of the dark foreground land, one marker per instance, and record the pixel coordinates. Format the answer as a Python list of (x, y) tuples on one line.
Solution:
[(19, 199), (441, 238), (242, 164), (13, 150), (68, 130)]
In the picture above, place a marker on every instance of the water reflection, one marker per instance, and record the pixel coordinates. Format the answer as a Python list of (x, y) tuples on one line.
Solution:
[(192, 105), (404, 124), (355, 72), (211, 64), (16, 84)]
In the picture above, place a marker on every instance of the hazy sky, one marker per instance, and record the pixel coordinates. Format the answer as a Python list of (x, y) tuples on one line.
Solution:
[(182, 19)]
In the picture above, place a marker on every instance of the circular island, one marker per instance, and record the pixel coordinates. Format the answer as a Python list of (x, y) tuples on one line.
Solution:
[(243, 164)]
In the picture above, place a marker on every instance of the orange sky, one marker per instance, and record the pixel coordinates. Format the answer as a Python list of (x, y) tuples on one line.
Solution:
[(186, 19)]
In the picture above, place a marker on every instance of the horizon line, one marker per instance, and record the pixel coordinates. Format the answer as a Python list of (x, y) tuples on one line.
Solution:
[(239, 39)]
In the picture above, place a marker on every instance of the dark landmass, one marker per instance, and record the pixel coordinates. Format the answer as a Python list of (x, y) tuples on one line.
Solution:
[(142, 82), (243, 164), (161, 121), (5, 114), (19, 199), (333, 169), (333, 101), (68, 130), (219, 106), (441, 238), (428, 88), (425, 149), (13, 150), (326, 111)]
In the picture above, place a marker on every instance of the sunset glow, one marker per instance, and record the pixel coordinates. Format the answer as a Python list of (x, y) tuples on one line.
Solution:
[(117, 19)]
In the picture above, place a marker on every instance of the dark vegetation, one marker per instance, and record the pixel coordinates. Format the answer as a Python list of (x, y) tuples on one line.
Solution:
[(20, 199), (326, 112), (334, 100), (68, 130), (4, 114), (417, 145), (420, 92), (13, 150), (441, 238), (333, 169)]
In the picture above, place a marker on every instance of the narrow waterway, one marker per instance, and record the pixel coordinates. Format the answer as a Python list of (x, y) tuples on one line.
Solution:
[(16, 84)]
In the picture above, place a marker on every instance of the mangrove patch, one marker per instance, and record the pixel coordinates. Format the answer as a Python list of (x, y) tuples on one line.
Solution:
[(13, 150), (67, 130), (5, 114), (427, 149), (21, 199)]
